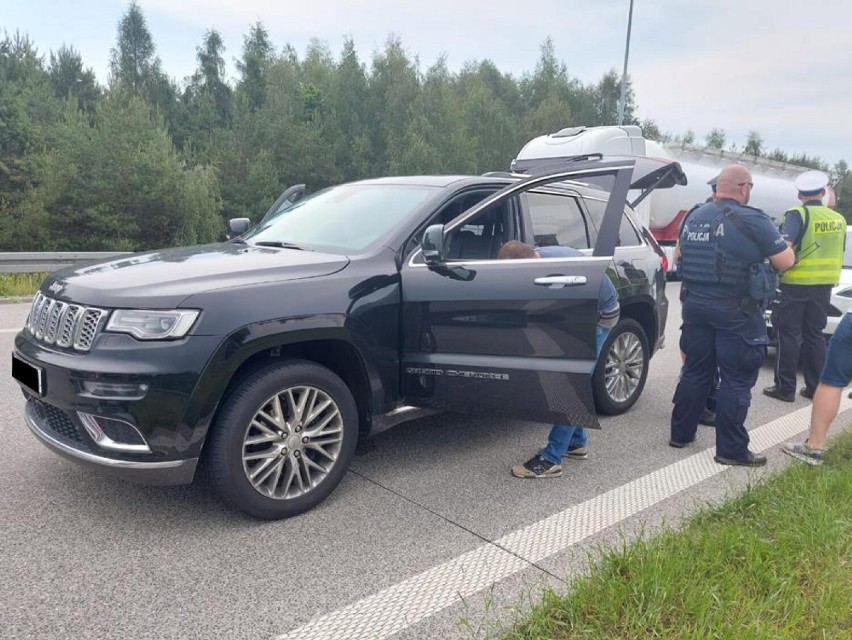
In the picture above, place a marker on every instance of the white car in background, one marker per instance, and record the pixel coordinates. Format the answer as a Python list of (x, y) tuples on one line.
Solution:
[(841, 295)]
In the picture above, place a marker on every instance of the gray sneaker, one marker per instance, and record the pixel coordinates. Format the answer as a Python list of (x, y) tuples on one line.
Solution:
[(801, 451), (578, 453), (537, 467)]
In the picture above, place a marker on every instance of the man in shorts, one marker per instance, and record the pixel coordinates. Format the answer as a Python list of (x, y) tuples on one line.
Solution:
[(836, 374)]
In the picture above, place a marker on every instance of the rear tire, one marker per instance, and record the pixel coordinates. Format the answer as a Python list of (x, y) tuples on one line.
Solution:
[(283, 440), (622, 368)]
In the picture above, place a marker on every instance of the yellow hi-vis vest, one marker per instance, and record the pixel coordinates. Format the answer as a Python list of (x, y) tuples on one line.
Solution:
[(819, 256)]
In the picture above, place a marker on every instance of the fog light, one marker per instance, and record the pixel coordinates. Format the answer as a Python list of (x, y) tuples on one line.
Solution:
[(115, 390), (117, 435)]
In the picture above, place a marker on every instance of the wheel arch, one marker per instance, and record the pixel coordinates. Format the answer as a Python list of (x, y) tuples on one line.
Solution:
[(239, 357), (338, 355), (643, 313)]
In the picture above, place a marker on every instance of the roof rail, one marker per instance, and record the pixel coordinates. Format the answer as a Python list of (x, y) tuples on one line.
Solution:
[(540, 165)]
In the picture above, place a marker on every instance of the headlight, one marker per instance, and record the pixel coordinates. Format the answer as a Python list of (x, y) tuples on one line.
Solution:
[(845, 293), (151, 325)]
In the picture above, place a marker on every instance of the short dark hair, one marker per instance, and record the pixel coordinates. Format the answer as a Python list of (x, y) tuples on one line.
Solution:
[(516, 250)]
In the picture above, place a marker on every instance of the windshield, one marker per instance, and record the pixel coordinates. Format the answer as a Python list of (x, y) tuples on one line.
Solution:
[(348, 217)]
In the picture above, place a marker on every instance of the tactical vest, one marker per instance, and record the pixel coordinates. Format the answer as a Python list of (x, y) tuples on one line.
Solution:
[(703, 260), (819, 255)]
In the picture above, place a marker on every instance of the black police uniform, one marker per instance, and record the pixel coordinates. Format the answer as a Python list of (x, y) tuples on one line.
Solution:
[(723, 324)]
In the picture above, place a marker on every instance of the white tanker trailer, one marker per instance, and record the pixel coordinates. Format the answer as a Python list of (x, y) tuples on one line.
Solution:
[(663, 211)]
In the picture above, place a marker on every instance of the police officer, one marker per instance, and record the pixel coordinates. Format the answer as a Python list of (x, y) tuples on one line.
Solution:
[(712, 182), (816, 234), (724, 245), (708, 415)]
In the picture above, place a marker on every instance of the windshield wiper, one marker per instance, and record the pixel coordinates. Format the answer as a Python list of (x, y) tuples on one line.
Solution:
[(279, 244)]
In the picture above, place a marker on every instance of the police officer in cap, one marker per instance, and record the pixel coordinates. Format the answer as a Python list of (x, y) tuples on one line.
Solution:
[(712, 182), (724, 246), (816, 234)]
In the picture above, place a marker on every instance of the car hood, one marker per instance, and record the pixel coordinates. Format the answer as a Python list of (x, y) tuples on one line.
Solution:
[(163, 279), (845, 280), (841, 294)]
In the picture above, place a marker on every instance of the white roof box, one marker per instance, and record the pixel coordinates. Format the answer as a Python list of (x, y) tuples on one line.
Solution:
[(577, 141)]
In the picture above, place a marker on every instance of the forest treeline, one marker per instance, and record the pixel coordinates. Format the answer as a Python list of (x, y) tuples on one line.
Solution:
[(146, 162)]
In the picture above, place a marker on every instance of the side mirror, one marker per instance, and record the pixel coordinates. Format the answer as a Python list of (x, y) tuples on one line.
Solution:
[(432, 244), (238, 226)]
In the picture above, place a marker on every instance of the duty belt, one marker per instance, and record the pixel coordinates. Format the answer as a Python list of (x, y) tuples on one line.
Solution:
[(749, 305)]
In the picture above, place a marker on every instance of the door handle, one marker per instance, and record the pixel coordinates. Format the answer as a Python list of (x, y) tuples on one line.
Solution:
[(558, 282)]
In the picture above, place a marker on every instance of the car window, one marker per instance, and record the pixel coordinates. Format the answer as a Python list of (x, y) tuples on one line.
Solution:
[(449, 212), (558, 220), (481, 236), (343, 218), (627, 234)]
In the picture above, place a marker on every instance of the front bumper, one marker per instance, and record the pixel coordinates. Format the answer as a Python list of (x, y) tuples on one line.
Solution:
[(153, 437), (54, 436)]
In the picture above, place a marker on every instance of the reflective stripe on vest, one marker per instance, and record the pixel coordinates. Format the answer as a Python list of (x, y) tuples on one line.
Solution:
[(820, 256)]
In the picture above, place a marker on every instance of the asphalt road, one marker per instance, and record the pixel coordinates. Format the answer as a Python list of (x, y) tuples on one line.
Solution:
[(85, 556)]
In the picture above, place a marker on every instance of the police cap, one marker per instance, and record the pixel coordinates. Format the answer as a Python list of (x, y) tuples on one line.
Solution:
[(811, 183), (712, 182)]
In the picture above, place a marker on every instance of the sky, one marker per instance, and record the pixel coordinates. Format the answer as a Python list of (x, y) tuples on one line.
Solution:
[(779, 67)]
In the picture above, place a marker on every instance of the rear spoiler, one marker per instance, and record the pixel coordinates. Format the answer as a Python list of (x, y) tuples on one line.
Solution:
[(648, 173)]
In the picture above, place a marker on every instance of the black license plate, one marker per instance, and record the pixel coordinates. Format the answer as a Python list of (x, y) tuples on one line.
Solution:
[(28, 375)]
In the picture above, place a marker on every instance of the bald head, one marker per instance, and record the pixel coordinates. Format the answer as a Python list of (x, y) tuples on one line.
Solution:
[(734, 182)]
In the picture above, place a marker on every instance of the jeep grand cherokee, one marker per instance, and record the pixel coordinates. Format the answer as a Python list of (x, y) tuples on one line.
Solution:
[(355, 308)]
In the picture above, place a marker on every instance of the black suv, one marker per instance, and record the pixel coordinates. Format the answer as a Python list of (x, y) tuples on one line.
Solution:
[(357, 307)]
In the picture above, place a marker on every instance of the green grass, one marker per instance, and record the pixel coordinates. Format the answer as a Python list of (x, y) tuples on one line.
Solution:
[(774, 562), (20, 284)]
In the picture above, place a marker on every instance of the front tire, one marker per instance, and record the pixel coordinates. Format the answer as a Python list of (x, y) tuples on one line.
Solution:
[(283, 440), (622, 368)]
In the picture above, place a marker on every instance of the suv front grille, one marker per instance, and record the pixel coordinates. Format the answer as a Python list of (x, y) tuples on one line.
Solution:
[(64, 324)]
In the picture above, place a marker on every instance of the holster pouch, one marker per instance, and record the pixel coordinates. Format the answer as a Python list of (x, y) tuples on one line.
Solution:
[(762, 284)]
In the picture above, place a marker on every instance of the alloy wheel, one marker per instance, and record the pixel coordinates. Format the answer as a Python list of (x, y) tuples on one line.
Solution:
[(292, 442), (625, 363)]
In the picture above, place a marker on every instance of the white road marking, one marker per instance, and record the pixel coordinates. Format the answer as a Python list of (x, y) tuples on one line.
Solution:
[(10, 330), (400, 606)]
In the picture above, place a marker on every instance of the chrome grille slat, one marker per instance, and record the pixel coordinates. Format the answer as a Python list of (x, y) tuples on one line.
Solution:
[(88, 328), (46, 308), (64, 324), (65, 337), (52, 326), (34, 312)]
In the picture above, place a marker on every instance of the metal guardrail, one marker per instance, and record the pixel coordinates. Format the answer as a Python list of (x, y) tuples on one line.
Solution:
[(36, 261)]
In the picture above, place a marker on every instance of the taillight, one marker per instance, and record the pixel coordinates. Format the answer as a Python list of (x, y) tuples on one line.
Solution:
[(664, 263)]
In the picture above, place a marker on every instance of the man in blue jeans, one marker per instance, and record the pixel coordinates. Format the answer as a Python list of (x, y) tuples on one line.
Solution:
[(565, 440)]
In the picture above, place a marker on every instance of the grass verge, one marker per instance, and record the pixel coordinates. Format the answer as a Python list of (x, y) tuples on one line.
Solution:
[(20, 284), (774, 562)]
